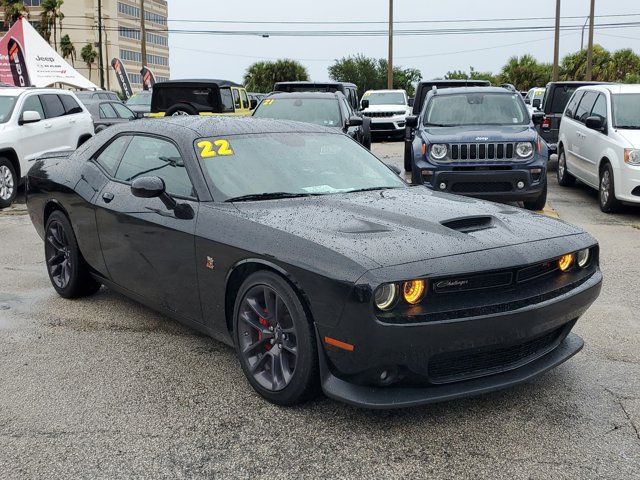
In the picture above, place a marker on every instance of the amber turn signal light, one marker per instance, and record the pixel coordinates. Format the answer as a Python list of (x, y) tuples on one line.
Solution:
[(565, 262), (413, 291)]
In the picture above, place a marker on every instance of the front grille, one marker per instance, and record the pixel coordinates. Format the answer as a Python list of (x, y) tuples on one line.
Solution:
[(482, 151), (382, 114), (382, 126), (464, 364), (481, 187)]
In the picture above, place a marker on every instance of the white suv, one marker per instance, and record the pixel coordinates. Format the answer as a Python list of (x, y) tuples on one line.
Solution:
[(388, 110), (599, 143), (34, 121)]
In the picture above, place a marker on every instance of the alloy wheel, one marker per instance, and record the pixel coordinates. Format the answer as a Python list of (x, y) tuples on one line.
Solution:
[(605, 187), (6, 183), (179, 113), (267, 338), (561, 166), (58, 254)]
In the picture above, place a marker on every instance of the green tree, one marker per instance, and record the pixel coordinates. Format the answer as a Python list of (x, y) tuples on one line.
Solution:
[(261, 76), (67, 49), (371, 74), (89, 55), (472, 75), (525, 72), (50, 18), (13, 10)]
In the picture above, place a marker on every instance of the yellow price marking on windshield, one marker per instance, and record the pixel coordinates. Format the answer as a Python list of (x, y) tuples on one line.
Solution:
[(366, 94), (268, 101), (207, 149)]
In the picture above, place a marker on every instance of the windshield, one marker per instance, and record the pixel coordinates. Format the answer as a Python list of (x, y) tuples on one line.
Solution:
[(626, 110), (321, 111), (6, 107), (385, 98), (140, 99), (293, 163), (476, 109)]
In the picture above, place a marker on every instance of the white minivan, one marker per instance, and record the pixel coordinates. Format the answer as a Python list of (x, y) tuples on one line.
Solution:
[(34, 121), (599, 143)]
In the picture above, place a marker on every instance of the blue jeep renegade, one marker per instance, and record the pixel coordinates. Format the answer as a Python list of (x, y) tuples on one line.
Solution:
[(481, 142)]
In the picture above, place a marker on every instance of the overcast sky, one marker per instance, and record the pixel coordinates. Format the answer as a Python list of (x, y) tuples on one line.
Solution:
[(216, 56)]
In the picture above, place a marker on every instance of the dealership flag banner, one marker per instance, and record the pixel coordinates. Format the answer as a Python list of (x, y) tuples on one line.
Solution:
[(27, 60), (123, 77), (148, 78)]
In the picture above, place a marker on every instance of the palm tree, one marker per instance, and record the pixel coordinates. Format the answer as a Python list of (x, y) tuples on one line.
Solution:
[(47, 19), (13, 10), (67, 49), (89, 55)]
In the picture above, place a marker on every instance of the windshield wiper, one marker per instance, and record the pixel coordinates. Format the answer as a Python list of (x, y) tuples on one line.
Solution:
[(630, 127), (268, 196), (370, 189), (438, 125)]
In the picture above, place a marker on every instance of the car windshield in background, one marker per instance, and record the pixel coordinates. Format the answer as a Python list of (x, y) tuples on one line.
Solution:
[(476, 109), (385, 98), (320, 111), (6, 107), (626, 110), (561, 96), (140, 99), (248, 167)]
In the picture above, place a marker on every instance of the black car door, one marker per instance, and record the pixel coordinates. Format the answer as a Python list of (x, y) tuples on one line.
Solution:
[(146, 249)]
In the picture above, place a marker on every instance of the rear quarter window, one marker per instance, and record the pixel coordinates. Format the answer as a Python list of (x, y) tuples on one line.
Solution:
[(53, 106), (559, 99), (71, 107)]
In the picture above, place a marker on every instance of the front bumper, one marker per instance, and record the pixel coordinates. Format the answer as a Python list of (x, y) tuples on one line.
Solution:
[(388, 125), (409, 351)]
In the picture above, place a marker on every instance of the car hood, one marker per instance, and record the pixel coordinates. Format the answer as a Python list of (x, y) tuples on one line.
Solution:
[(480, 133), (391, 227), (386, 108), (631, 136)]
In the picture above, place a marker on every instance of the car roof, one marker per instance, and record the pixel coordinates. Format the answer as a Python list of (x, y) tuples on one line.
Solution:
[(219, 125), (311, 82), (458, 90), (454, 82), (575, 82), (205, 81), (386, 90), (333, 95), (15, 91), (613, 88)]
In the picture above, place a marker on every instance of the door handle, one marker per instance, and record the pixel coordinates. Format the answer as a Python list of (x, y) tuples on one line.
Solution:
[(47, 125), (72, 121), (107, 197)]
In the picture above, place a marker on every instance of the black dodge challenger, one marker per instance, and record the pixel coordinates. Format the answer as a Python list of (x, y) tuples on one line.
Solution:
[(322, 267)]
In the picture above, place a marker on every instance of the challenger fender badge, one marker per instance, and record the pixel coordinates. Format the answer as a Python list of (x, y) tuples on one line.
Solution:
[(210, 263)]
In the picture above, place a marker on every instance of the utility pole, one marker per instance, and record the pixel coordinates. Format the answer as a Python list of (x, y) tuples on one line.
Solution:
[(100, 55), (390, 59), (556, 44), (143, 35), (582, 35), (590, 47)]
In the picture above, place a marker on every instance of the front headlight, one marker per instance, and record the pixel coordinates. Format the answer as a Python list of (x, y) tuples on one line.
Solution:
[(524, 149), (385, 296), (413, 291), (583, 258), (438, 151), (565, 262), (632, 156)]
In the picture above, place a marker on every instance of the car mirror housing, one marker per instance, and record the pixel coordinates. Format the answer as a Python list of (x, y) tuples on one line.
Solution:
[(365, 104), (253, 104), (594, 123), (148, 187), (536, 103), (412, 121), (354, 121), (537, 117), (29, 116), (527, 101)]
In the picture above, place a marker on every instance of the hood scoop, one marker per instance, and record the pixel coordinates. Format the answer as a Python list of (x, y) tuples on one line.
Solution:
[(469, 224)]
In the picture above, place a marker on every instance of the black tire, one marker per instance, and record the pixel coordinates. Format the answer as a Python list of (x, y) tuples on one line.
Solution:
[(255, 333), (607, 190), (537, 203), (366, 132), (68, 272), (181, 109), (8, 183), (408, 154), (565, 179)]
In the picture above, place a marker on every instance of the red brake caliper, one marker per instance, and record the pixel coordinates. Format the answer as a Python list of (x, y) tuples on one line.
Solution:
[(264, 323)]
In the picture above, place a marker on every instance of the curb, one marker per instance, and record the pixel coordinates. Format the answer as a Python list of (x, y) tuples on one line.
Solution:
[(549, 211)]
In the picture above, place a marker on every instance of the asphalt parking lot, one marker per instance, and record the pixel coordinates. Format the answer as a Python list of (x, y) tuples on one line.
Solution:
[(103, 387)]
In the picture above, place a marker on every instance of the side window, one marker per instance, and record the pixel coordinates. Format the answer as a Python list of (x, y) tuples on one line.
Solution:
[(236, 98), (573, 103), (107, 111), (347, 108), (600, 108), (33, 103), (52, 105), (226, 100), (585, 106), (110, 156), (245, 99), (122, 111), (155, 157), (70, 105)]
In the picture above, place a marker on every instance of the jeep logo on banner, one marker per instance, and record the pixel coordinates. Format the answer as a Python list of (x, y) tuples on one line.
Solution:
[(18, 65), (123, 78), (148, 78)]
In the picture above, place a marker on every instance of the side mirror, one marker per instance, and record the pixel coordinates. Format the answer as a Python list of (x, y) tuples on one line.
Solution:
[(527, 101), (354, 121), (364, 103), (412, 121), (139, 115), (394, 168), (537, 117), (29, 116), (594, 123), (153, 187), (536, 103), (411, 102), (253, 104)]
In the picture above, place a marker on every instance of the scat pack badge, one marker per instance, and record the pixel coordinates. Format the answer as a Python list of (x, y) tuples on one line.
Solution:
[(210, 263)]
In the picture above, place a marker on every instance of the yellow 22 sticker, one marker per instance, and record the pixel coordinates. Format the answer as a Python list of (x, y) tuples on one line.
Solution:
[(218, 147)]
